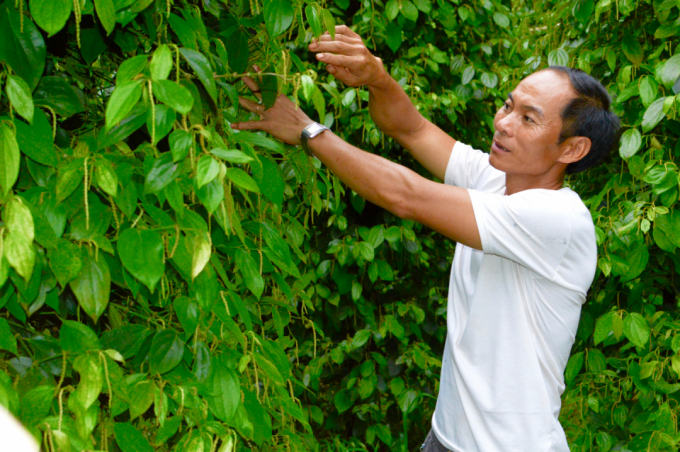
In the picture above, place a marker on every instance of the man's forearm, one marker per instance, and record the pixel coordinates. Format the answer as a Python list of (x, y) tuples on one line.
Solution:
[(392, 109)]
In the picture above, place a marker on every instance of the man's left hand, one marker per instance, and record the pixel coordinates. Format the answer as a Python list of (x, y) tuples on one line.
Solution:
[(284, 120)]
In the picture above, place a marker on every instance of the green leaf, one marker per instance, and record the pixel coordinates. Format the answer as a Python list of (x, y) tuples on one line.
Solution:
[(141, 398), (278, 251), (19, 95), (180, 142), (161, 63), (391, 9), (671, 71), (239, 52), (211, 195), (574, 366), (489, 80), (558, 57), (106, 177), (632, 49), (91, 380), (501, 19), (582, 10), (393, 36), (174, 96), (329, 22), (604, 327), (36, 404), (19, 252), (423, 5), (468, 75), (200, 255), (343, 400), (636, 329), (164, 118), (75, 337), (409, 10), (312, 13), (124, 129), (163, 171), (65, 261), (35, 140), (129, 439), (7, 340), (51, 15), (653, 115), (242, 179), (648, 91), (223, 393), (166, 352), (130, 68), (106, 11), (21, 45), (278, 15), (141, 252), (631, 141), (56, 93), (207, 169), (9, 158), (122, 101), (201, 67), (269, 89), (269, 180), (231, 155), (69, 177), (93, 285), (250, 271)]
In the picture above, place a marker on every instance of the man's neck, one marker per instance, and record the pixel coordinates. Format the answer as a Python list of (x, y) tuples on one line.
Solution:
[(515, 183)]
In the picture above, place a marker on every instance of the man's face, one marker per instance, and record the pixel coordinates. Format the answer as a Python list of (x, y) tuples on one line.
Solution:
[(528, 125)]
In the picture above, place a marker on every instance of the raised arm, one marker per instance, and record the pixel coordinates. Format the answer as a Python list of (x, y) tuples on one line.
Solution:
[(348, 59), (444, 208)]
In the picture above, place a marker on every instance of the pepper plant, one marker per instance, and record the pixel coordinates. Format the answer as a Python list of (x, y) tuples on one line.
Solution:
[(168, 284)]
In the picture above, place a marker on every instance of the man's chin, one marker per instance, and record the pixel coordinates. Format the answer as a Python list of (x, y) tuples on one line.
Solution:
[(493, 161)]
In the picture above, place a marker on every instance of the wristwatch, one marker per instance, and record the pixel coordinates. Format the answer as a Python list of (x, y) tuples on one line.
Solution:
[(308, 132)]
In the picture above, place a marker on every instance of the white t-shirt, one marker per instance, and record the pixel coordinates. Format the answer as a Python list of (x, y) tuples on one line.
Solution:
[(513, 311)]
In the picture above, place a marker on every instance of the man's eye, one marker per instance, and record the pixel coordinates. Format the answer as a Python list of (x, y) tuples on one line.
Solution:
[(506, 106), (528, 119)]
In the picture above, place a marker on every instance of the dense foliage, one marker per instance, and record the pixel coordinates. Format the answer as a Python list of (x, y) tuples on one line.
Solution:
[(167, 283)]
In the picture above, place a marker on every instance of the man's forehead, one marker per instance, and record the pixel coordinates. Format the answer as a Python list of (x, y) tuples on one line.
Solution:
[(545, 89)]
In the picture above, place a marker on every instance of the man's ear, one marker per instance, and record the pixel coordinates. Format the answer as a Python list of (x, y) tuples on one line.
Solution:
[(574, 149)]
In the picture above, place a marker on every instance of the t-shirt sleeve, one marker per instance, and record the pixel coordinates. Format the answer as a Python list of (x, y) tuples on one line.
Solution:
[(532, 228), (468, 167)]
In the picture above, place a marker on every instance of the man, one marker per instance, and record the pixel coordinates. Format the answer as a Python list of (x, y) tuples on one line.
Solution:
[(526, 252)]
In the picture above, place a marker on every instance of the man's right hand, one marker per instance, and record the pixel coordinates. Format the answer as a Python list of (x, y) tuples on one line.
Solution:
[(348, 59)]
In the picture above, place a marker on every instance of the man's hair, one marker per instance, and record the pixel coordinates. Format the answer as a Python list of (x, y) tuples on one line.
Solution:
[(588, 115)]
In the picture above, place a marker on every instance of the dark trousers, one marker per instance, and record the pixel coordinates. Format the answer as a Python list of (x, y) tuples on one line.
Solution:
[(432, 444)]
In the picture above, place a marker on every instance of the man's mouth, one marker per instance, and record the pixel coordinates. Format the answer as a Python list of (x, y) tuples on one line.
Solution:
[(496, 146)]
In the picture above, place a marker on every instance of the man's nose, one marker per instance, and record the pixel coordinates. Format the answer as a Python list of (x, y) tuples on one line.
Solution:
[(506, 125)]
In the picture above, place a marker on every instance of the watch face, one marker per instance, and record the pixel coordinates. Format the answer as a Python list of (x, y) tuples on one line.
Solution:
[(314, 129)]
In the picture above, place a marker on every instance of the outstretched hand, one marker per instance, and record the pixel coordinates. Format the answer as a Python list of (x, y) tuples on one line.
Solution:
[(284, 120), (347, 58)]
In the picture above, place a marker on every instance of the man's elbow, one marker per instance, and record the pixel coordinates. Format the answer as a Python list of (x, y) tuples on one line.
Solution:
[(401, 199)]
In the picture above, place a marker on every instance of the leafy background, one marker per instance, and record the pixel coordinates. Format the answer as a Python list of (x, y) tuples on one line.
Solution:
[(169, 284)]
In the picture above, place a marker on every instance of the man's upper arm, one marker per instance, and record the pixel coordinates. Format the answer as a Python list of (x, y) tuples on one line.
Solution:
[(430, 145), (445, 209)]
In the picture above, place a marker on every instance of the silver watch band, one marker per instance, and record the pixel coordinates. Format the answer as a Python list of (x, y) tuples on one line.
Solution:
[(308, 132)]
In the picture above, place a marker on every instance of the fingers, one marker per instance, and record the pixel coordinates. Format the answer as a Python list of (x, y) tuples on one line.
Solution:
[(345, 30), (250, 83), (247, 125), (251, 106), (336, 47), (342, 74), (349, 62)]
